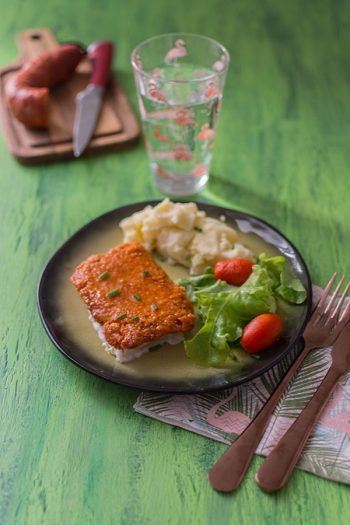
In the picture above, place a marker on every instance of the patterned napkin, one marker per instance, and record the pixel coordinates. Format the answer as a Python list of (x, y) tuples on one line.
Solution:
[(224, 414)]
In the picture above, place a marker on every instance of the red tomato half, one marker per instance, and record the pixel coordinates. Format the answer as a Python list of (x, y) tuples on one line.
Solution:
[(233, 271), (261, 332)]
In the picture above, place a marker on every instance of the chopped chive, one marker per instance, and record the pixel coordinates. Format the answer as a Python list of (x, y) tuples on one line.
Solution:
[(114, 292), (145, 273), (137, 297), (233, 246), (188, 257), (121, 316), (135, 319), (104, 276), (198, 229), (154, 307)]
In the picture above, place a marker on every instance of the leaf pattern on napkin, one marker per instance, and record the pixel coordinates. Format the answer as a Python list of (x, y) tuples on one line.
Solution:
[(224, 414)]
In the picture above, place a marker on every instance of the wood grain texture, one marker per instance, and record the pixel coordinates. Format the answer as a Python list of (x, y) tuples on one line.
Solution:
[(116, 127), (72, 449)]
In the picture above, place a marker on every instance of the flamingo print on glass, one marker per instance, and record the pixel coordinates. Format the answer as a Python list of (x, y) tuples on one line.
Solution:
[(180, 87)]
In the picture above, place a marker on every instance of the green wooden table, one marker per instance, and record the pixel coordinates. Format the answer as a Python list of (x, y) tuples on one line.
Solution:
[(72, 449)]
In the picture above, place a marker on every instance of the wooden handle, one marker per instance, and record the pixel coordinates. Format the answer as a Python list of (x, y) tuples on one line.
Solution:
[(229, 470), (277, 467), (33, 42)]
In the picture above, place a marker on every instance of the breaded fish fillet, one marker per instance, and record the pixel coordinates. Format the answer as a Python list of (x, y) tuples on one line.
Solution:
[(132, 301)]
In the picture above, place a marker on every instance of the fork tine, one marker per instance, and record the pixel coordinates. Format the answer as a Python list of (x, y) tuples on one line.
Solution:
[(345, 316), (340, 302), (321, 302), (334, 296)]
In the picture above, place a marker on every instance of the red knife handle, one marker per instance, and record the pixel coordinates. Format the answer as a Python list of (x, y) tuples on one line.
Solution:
[(101, 54)]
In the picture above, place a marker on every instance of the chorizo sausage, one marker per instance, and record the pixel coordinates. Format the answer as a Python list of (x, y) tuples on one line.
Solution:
[(27, 92)]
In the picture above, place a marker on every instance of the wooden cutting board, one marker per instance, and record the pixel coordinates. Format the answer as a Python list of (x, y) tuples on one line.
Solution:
[(117, 126)]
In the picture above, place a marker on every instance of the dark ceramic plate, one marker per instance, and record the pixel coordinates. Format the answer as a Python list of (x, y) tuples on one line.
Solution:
[(167, 369)]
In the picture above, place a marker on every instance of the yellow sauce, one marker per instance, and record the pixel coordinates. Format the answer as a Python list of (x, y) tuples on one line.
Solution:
[(168, 363)]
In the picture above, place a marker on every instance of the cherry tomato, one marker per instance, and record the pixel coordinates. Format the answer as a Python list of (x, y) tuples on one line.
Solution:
[(233, 271), (261, 332)]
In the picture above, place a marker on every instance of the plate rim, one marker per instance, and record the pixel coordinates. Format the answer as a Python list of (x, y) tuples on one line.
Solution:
[(39, 299)]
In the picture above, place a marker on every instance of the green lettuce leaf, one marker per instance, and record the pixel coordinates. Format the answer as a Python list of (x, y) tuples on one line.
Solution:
[(285, 283), (210, 345), (224, 310), (255, 296), (203, 284), (225, 313)]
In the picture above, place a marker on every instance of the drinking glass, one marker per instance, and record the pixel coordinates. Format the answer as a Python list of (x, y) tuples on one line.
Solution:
[(180, 80)]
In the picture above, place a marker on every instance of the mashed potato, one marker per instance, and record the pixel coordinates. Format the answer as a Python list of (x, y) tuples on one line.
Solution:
[(183, 234)]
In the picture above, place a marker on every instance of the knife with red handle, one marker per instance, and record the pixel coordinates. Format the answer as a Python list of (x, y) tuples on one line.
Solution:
[(89, 101)]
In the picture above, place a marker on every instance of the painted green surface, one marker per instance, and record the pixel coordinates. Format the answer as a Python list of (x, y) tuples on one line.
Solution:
[(72, 449)]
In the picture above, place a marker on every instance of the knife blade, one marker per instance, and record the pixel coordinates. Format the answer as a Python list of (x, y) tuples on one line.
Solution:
[(89, 101)]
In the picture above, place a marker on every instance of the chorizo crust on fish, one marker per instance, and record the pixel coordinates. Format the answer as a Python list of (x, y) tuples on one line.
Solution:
[(132, 298)]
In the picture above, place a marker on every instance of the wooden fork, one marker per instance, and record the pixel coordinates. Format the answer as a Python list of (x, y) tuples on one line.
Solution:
[(322, 330)]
